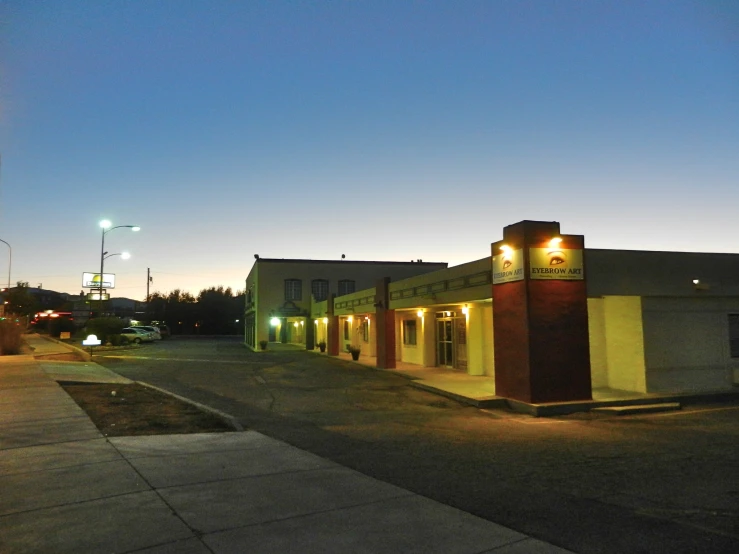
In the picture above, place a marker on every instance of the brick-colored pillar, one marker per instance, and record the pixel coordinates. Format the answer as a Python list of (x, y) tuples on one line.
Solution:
[(332, 328), (540, 315), (385, 325)]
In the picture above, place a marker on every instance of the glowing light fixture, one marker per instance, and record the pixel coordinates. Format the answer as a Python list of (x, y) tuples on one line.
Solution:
[(555, 242), (275, 321), (350, 319), (295, 324), (302, 322), (465, 310), (419, 313), (315, 321), (505, 248), (696, 281), (325, 320)]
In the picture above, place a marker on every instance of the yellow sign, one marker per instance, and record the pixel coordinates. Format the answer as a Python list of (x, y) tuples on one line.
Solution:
[(556, 263), (508, 266)]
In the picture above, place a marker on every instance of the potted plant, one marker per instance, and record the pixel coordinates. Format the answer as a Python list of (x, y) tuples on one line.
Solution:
[(263, 344), (321, 346), (354, 351)]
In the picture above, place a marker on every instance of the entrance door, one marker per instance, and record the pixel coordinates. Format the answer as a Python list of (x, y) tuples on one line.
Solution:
[(451, 341), (444, 342)]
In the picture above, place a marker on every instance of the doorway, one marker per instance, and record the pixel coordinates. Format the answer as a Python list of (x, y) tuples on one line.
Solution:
[(451, 340)]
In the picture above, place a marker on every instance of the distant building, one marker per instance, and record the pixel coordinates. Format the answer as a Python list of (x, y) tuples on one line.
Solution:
[(280, 292)]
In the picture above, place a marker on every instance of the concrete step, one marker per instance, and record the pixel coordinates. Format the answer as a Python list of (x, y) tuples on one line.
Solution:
[(638, 408)]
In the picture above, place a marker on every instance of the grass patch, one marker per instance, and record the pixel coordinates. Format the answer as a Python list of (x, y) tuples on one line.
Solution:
[(122, 410)]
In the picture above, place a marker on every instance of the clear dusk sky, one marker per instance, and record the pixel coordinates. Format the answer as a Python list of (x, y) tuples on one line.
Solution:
[(383, 130)]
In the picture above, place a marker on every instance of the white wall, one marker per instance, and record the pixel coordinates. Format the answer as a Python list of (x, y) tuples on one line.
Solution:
[(598, 352), (687, 344)]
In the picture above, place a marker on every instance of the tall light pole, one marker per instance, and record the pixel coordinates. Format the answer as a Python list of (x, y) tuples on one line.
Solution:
[(106, 226), (10, 261)]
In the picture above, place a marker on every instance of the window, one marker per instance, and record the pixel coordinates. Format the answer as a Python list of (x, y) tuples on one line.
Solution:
[(734, 335), (347, 335), (319, 289), (365, 330), (346, 286), (293, 289), (409, 332)]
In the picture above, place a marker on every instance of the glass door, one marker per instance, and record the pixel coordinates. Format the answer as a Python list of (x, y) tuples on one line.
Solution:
[(444, 342)]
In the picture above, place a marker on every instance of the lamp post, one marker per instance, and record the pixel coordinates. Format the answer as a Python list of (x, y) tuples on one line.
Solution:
[(106, 226), (10, 260)]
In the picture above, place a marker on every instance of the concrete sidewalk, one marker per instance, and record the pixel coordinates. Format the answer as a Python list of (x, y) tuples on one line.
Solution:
[(67, 488)]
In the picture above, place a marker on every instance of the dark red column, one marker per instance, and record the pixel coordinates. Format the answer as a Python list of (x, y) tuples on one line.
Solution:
[(542, 350), (385, 322), (332, 328)]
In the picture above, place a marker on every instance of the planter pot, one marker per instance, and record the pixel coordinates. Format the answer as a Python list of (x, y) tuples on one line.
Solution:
[(355, 356)]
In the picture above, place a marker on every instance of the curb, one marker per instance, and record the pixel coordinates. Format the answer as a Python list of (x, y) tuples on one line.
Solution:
[(231, 420)]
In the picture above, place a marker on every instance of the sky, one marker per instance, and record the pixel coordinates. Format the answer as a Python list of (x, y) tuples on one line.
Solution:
[(381, 130)]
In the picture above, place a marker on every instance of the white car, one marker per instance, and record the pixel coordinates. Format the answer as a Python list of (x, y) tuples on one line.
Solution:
[(136, 336), (153, 331)]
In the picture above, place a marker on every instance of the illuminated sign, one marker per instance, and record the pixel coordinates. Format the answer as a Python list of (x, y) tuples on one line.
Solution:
[(92, 280), (508, 266), (556, 263), (96, 296)]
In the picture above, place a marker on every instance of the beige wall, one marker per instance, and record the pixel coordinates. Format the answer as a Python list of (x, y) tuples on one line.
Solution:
[(480, 355), (624, 343), (687, 344), (598, 353)]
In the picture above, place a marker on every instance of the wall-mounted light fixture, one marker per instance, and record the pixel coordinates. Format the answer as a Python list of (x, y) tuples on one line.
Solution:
[(350, 319), (419, 313), (325, 320), (465, 310), (505, 248), (275, 321), (554, 242)]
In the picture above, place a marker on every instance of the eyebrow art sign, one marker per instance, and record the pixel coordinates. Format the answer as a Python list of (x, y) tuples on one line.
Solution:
[(508, 267), (556, 263)]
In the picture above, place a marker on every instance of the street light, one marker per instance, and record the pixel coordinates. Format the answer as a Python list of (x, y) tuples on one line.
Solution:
[(106, 226), (10, 260)]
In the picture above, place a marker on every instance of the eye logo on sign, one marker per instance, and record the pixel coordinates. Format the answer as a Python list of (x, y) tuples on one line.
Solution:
[(508, 265), (556, 263)]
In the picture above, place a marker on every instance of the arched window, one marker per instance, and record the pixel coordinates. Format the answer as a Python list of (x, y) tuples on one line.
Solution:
[(293, 289), (319, 289), (346, 286)]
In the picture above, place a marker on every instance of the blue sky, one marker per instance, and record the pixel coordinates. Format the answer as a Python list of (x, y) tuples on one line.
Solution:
[(390, 130)]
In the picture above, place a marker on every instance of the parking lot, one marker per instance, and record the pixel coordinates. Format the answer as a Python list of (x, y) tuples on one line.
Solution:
[(665, 482)]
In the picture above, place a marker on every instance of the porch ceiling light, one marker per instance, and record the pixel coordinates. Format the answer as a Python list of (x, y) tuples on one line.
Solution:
[(465, 310), (419, 313), (350, 319), (275, 321), (325, 320)]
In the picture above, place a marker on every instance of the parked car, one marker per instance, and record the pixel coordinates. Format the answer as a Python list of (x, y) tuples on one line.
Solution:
[(137, 336), (154, 331), (164, 331)]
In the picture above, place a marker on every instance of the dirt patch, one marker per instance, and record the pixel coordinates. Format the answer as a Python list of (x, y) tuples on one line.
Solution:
[(61, 357), (121, 410)]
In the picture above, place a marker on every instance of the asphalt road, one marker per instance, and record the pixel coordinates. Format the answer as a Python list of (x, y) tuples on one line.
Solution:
[(619, 484)]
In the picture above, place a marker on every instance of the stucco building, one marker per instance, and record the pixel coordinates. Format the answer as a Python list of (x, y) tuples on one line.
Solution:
[(544, 316)]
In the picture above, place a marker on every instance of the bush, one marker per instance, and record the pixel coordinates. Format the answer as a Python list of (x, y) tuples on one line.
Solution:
[(104, 328), (10, 338)]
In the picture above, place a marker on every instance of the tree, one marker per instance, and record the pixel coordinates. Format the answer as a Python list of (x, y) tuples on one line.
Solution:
[(20, 301)]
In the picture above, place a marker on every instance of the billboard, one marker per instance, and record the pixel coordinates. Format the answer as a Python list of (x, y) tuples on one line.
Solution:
[(556, 263), (92, 280), (508, 266)]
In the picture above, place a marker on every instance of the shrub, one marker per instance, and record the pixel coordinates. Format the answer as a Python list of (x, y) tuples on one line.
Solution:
[(10, 338), (104, 328)]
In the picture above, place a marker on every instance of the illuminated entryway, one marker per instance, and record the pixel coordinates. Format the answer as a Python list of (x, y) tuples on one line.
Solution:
[(451, 340)]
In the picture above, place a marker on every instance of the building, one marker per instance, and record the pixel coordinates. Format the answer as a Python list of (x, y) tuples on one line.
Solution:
[(280, 292), (545, 317)]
